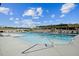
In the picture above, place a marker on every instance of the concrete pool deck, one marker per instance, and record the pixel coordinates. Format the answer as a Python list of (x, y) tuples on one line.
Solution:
[(12, 46)]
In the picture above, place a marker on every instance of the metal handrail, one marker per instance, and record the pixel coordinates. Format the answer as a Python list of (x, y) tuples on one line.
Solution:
[(29, 48)]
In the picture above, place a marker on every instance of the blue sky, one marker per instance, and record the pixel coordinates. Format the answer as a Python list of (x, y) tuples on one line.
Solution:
[(32, 15)]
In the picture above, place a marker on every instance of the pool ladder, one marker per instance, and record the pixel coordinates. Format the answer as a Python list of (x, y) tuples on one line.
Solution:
[(29, 48)]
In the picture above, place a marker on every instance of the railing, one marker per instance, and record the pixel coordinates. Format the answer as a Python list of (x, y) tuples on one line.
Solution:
[(29, 48)]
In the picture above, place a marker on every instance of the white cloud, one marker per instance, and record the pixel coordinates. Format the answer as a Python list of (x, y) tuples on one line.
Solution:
[(52, 16), (39, 11), (34, 12), (5, 10), (17, 19), (67, 7), (45, 22), (29, 12), (47, 11), (35, 17), (16, 22), (27, 23), (39, 23), (61, 16), (11, 13), (14, 19), (50, 21), (11, 18)]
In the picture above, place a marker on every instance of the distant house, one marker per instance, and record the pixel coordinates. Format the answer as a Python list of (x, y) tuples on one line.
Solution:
[(11, 30), (62, 28), (70, 30)]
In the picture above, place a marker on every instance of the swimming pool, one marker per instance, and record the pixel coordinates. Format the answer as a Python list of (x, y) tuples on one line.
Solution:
[(46, 38)]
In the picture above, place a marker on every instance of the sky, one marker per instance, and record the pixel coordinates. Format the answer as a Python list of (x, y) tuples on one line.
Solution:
[(36, 14)]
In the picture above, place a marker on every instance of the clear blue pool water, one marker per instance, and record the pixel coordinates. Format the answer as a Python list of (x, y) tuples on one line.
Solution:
[(46, 38)]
